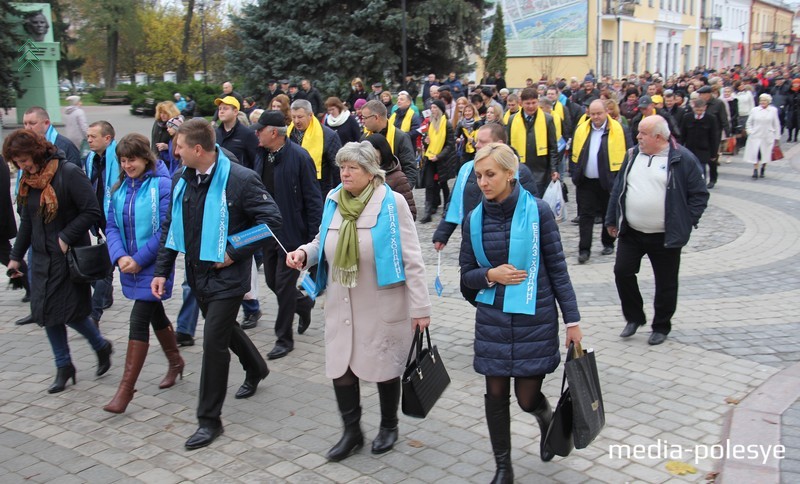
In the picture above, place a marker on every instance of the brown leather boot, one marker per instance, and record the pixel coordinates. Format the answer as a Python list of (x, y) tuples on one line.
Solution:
[(175, 363), (134, 360)]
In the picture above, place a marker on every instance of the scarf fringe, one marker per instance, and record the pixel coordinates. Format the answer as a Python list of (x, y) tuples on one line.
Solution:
[(347, 277)]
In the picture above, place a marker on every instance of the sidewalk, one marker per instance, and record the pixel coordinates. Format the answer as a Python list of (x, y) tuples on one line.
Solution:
[(737, 326)]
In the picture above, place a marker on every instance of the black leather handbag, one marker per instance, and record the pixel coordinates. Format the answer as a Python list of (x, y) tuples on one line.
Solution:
[(424, 378), (89, 263)]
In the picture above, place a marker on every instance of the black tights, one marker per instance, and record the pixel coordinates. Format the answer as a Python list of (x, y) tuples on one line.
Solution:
[(350, 378), (527, 389), (144, 314)]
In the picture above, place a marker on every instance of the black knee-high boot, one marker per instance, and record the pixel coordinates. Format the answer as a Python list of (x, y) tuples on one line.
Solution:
[(763, 167), (389, 394), (348, 399), (498, 419), (544, 415)]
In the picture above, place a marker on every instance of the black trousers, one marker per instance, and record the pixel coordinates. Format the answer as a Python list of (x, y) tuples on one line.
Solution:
[(144, 314), (592, 202), (221, 332), (632, 246), (282, 280)]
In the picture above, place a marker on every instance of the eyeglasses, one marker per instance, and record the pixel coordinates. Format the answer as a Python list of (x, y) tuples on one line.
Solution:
[(370, 116)]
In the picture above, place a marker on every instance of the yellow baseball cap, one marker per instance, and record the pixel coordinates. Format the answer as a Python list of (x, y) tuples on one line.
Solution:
[(229, 100), (657, 99)]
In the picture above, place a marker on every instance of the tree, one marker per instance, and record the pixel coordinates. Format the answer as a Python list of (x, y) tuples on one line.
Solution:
[(69, 64), (105, 22), (187, 30), (332, 41), (496, 53), (10, 41)]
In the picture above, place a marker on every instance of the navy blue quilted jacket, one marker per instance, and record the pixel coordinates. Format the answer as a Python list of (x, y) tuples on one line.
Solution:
[(518, 345)]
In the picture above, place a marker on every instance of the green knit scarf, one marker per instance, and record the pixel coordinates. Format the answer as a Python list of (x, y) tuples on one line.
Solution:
[(345, 261)]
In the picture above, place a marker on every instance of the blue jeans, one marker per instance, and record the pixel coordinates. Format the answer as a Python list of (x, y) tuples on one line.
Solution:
[(250, 306), (190, 311), (58, 339), (103, 296)]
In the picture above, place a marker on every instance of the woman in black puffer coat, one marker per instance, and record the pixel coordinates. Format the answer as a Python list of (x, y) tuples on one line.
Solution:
[(509, 340)]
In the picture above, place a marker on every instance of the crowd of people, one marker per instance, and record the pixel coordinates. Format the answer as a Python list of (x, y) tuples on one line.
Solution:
[(330, 182)]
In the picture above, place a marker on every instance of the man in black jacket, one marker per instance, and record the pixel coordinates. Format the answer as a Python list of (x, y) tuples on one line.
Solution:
[(313, 96), (539, 155), (308, 132), (375, 121), (218, 286), (272, 91), (700, 134), (658, 196), (716, 108), (37, 119), (287, 171)]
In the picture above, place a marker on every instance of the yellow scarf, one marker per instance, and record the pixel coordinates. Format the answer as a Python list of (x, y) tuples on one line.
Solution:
[(559, 109), (616, 142), (313, 142), (470, 136), (406, 124), (519, 135), (437, 135), (390, 130), (557, 119), (507, 116)]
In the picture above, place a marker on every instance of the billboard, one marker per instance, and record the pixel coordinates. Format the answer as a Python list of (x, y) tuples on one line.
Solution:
[(544, 28)]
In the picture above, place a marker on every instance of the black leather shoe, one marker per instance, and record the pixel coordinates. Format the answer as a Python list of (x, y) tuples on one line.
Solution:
[(425, 218), (656, 338), (710, 185), (598, 220), (249, 387), (583, 257), (630, 330), (278, 352), (23, 321), (608, 250), (305, 321), (104, 359), (203, 437), (251, 321), (110, 303), (184, 339), (26, 298)]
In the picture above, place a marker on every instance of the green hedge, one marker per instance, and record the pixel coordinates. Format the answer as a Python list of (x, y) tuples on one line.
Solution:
[(203, 94)]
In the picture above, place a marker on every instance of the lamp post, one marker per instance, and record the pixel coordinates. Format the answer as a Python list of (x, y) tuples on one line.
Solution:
[(710, 23), (403, 41)]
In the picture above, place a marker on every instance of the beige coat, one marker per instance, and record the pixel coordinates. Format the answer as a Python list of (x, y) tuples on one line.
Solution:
[(368, 328)]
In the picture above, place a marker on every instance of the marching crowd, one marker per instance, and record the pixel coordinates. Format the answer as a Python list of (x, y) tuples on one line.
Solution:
[(330, 183)]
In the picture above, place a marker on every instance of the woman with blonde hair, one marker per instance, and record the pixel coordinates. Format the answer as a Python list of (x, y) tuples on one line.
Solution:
[(356, 92), (159, 136)]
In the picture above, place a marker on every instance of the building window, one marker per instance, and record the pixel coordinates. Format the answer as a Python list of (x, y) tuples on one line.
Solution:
[(608, 55), (691, 7), (648, 56), (659, 56), (626, 47), (687, 60), (650, 3), (675, 57), (636, 49), (701, 55), (661, 4)]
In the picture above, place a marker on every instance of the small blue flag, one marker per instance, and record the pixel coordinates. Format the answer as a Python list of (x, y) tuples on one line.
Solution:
[(246, 237), (309, 285)]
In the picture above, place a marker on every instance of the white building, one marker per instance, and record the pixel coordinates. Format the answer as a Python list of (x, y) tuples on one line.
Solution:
[(729, 44)]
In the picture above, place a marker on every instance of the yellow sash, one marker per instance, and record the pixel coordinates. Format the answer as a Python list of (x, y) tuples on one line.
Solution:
[(519, 134), (406, 124), (508, 115), (437, 135), (313, 142), (390, 130), (616, 142)]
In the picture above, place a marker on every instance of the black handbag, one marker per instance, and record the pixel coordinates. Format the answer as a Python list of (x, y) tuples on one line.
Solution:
[(588, 412), (89, 263), (580, 414), (559, 435), (424, 378)]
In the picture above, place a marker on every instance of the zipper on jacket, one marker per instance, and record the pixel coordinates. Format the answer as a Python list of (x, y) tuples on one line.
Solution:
[(130, 218)]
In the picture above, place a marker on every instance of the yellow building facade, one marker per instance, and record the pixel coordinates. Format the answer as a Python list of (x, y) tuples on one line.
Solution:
[(624, 37), (770, 33)]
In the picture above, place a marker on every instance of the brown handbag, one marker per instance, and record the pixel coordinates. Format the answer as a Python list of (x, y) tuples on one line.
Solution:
[(777, 153)]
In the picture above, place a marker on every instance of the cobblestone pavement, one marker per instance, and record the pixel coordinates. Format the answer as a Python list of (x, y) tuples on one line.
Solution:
[(736, 325)]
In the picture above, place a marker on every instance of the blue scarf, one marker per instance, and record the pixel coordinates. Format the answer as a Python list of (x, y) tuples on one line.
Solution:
[(111, 174), (213, 239), (455, 210), (51, 134), (146, 216), (386, 243), (523, 252)]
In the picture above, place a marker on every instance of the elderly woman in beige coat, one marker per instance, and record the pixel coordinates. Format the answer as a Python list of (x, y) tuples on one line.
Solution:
[(371, 264)]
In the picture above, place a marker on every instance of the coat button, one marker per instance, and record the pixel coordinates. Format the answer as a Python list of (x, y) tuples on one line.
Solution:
[(346, 299), (347, 322)]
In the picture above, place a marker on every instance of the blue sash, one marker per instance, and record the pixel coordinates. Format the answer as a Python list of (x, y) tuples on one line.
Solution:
[(146, 216), (214, 237), (455, 209), (386, 243), (111, 175), (523, 253)]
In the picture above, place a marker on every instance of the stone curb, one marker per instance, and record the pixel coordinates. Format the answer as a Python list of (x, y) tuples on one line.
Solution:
[(756, 420)]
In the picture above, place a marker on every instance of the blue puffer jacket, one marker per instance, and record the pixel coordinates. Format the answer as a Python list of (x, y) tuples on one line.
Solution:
[(518, 345), (137, 286)]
